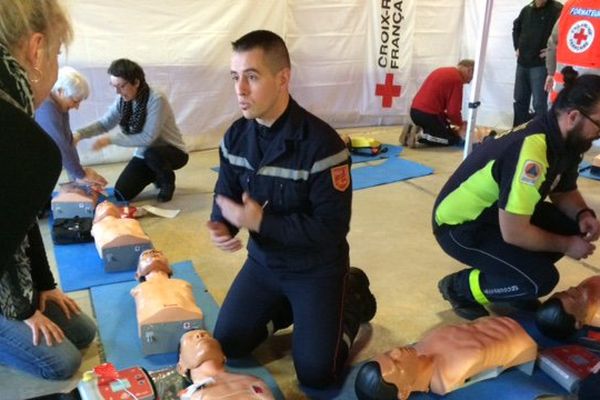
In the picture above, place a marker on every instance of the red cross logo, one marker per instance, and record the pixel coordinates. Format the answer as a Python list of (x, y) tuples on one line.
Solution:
[(388, 91), (580, 36)]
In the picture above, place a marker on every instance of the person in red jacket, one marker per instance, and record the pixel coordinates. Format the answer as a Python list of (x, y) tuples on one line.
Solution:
[(437, 105), (574, 42)]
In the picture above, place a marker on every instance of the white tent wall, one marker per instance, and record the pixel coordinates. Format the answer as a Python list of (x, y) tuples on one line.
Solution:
[(184, 47), (498, 79)]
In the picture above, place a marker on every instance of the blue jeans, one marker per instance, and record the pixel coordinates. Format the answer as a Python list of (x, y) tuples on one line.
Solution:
[(59, 361), (529, 82)]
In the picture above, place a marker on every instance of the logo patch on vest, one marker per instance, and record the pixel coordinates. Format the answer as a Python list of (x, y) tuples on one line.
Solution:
[(580, 37), (340, 177), (532, 170)]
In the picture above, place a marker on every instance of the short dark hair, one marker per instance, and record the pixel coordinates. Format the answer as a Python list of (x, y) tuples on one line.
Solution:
[(579, 92), (273, 46), (128, 70)]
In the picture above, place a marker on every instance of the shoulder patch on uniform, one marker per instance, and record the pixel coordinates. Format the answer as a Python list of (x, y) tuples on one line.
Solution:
[(531, 172), (340, 177)]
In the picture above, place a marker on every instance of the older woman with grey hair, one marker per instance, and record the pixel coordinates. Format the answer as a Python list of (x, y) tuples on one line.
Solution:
[(70, 89)]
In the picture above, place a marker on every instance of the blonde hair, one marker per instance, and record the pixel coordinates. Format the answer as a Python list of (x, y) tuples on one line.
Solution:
[(21, 18)]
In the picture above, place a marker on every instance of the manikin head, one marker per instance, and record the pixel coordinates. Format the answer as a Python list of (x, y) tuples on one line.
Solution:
[(106, 209), (569, 310), (152, 260), (393, 375), (197, 347)]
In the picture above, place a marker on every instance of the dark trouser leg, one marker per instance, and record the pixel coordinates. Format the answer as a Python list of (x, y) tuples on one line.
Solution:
[(134, 178), (163, 160), (522, 96), (253, 306), (506, 272), (436, 130), (537, 77), (321, 341)]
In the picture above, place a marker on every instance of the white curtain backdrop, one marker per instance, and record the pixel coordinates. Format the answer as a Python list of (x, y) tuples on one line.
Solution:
[(341, 51)]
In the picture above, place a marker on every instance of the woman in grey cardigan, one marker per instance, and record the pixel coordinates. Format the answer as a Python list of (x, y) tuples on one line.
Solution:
[(146, 121)]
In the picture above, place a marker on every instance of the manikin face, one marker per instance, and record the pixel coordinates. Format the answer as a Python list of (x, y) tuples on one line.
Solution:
[(582, 301), (399, 366), (127, 90), (152, 260), (196, 347), (259, 91), (106, 209)]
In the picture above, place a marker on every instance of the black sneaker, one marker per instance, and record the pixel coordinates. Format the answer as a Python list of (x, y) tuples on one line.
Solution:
[(467, 309), (358, 296)]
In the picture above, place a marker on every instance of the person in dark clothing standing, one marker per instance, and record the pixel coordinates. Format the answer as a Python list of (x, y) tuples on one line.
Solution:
[(531, 31), (285, 176)]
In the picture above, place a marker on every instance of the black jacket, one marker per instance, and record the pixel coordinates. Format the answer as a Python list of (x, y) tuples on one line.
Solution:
[(306, 217), (30, 163), (531, 31)]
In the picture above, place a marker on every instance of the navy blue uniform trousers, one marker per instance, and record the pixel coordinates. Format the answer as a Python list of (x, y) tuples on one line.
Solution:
[(508, 272), (260, 296)]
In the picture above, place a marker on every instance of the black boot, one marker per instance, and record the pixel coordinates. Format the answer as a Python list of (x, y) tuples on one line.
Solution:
[(359, 299), (166, 183)]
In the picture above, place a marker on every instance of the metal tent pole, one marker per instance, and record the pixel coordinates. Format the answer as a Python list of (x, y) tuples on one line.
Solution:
[(477, 74)]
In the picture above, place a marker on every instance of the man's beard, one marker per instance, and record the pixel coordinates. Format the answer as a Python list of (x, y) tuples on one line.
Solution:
[(576, 141)]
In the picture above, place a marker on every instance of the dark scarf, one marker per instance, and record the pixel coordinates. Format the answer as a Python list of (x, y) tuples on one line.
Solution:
[(133, 119), (16, 284)]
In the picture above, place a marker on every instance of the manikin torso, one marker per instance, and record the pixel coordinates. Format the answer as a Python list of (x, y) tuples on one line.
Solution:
[(110, 230), (162, 299), (448, 356)]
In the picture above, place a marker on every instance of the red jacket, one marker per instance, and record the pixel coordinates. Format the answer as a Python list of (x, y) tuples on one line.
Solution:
[(579, 35), (441, 94)]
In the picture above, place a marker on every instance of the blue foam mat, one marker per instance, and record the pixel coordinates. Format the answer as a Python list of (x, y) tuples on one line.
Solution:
[(80, 267), (585, 170), (117, 325), (392, 170)]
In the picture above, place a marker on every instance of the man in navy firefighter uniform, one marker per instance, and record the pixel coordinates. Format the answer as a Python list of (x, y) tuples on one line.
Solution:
[(491, 214), (285, 176)]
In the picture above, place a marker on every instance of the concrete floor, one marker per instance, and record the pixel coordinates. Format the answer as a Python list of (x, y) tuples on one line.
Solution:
[(390, 239)]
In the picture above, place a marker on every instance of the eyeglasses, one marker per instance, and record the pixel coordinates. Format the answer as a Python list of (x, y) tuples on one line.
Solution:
[(593, 121), (120, 86)]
